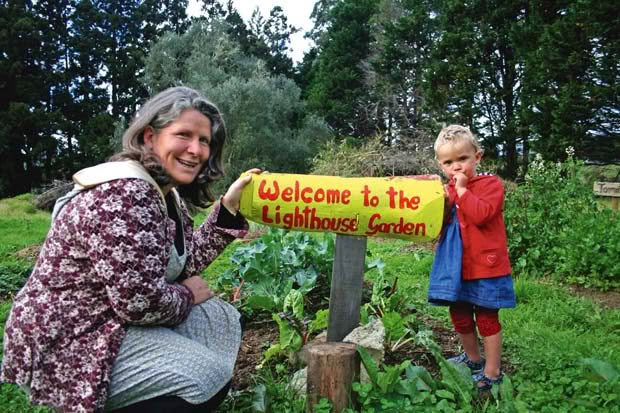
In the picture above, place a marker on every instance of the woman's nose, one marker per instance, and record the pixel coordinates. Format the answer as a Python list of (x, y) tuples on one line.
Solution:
[(193, 146)]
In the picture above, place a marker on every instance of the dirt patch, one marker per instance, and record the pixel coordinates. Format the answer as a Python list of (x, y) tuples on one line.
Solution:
[(258, 336), (609, 299), (255, 341), (30, 253)]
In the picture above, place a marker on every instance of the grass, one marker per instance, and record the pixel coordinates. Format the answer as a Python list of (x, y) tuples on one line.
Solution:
[(22, 225), (547, 336)]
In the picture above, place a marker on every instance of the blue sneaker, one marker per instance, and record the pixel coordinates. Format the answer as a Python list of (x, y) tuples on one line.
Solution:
[(476, 367), (485, 383)]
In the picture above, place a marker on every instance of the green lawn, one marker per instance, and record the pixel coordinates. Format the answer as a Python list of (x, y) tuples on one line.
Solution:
[(547, 337)]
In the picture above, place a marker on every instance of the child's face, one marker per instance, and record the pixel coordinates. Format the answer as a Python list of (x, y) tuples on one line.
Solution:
[(459, 157)]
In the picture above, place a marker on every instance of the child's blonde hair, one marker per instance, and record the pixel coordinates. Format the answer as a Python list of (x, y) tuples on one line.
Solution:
[(454, 134)]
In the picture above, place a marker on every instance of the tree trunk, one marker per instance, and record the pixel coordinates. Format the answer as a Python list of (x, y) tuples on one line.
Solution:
[(332, 369)]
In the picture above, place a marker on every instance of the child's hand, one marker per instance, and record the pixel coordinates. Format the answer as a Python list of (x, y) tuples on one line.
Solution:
[(460, 182)]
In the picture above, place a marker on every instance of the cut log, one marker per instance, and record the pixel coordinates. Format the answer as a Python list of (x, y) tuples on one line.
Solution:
[(47, 199), (332, 369)]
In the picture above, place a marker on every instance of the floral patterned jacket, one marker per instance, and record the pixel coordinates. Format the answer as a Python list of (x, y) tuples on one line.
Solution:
[(101, 268)]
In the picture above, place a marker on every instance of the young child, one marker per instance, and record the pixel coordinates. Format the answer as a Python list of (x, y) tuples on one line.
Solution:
[(472, 272)]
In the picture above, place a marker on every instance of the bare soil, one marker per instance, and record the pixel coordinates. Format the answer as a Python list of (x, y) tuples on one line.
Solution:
[(609, 299), (257, 337)]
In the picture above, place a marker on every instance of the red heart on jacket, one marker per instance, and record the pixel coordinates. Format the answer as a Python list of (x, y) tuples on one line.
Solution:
[(492, 258)]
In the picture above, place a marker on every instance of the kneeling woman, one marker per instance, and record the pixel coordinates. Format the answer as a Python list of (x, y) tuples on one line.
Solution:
[(115, 315)]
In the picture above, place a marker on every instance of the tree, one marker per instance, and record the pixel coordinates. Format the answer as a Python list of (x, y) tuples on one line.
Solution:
[(270, 40), (25, 139), (572, 80), (265, 38), (476, 73), (405, 33), (263, 112), (336, 89)]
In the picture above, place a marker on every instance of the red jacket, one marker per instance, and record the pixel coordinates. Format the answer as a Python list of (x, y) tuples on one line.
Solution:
[(480, 213)]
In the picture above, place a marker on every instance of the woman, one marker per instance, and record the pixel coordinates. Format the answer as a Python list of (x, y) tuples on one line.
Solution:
[(115, 315)]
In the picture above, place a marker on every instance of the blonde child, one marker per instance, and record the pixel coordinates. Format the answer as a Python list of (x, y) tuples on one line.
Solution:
[(472, 272)]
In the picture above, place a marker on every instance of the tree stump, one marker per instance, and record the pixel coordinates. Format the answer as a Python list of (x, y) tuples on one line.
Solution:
[(332, 369)]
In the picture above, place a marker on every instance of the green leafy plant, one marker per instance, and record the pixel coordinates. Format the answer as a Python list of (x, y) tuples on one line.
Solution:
[(391, 304), (556, 227), (13, 276), (266, 270), (295, 328), (271, 394), (323, 406), (404, 388)]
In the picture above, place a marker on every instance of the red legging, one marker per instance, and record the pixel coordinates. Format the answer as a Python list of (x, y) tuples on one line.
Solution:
[(487, 320)]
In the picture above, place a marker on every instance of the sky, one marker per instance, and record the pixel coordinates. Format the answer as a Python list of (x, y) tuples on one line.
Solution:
[(297, 12)]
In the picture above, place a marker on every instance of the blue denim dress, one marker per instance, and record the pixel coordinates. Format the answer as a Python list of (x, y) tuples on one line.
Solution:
[(446, 284)]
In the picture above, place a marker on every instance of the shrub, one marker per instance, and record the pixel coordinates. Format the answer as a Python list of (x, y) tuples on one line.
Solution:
[(375, 158), (13, 276), (555, 227)]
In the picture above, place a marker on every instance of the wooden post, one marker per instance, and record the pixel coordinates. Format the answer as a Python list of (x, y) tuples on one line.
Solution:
[(345, 297), (332, 369)]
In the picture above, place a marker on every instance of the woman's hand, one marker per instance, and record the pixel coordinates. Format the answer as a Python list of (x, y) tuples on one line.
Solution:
[(232, 199), (199, 289)]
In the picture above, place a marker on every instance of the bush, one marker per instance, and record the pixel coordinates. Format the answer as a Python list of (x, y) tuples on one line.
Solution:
[(13, 276), (374, 158), (555, 227)]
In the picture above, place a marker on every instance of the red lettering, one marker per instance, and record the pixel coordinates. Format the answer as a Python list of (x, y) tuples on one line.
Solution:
[(400, 227), (366, 192), (288, 221), (319, 195), (287, 194), (333, 196), (408, 203), (268, 194), (392, 194), (371, 224), (345, 196), (306, 199), (265, 215), (418, 226)]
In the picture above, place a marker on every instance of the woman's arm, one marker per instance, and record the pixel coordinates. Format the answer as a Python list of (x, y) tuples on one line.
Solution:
[(216, 233)]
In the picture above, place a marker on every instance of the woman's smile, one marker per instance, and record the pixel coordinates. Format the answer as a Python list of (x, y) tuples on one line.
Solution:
[(182, 146)]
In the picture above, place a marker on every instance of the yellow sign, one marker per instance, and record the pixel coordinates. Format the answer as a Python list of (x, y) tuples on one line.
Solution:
[(395, 207)]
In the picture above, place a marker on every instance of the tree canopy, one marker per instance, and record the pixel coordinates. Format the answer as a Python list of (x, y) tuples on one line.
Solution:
[(527, 77)]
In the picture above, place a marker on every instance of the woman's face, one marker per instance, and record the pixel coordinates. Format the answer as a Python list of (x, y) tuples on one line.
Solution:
[(182, 146)]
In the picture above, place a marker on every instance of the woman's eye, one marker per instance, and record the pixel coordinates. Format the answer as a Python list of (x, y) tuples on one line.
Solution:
[(204, 141)]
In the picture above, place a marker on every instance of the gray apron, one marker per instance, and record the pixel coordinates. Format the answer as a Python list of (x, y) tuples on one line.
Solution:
[(192, 360)]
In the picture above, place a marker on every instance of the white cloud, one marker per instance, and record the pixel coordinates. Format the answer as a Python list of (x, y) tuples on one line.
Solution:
[(297, 12)]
